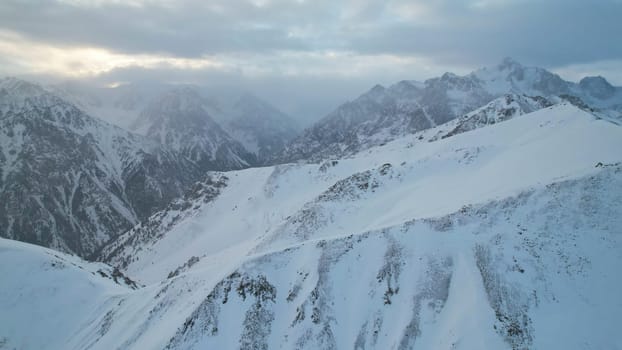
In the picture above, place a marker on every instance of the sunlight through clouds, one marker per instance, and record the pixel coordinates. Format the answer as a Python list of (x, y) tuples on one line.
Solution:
[(34, 57)]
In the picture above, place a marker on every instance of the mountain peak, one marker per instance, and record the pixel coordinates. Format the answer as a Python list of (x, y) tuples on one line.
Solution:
[(182, 98), (595, 80), (509, 63), (20, 87), (448, 75), (597, 86), (376, 93), (377, 89)]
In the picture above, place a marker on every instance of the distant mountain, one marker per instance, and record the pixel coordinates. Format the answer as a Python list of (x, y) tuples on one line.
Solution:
[(118, 105), (72, 182), (383, 114), (512, 77), (261, 128), (179, 119)]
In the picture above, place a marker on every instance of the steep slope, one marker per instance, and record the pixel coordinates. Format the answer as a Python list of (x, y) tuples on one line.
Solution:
[(259, 126), (288, 203), (512, 77), (180, 120), (72, 182), (505, 236), (498, 110), (384, 114), (491, 256), (493, 276), (46, 296)]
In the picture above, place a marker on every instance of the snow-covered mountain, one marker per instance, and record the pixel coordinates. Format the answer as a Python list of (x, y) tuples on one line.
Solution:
[(72, 182), (63, 294), (384, 114), (261, 128), (511, 76), (179, 119), (497, 236), (498, 110), (120, 105)]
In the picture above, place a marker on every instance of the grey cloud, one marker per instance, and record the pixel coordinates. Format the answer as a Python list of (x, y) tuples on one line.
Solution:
[(187, 29), (549, 33), (544, 33)]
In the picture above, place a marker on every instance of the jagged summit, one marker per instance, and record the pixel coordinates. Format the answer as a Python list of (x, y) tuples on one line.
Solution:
[(15, 91), (179, 119), (378, 88), (598, 87), (247, 119), (508, 63), (16, 84), (383, 114)]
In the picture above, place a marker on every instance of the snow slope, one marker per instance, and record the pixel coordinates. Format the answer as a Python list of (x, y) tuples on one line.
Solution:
[(46, 296), (505, 236)]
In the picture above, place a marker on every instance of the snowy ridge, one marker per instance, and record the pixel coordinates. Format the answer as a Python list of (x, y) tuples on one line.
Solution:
[(47, 296), (283, 200), (483, 263), (498, 110), (354, 290), (505, 236)]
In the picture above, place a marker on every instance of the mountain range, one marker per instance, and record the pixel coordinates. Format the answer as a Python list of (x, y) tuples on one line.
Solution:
[(504, 236), (463, 212), (384, 114), (73, 182)]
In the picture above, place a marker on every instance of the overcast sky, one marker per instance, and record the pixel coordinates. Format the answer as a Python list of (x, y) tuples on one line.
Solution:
[(305, 56)]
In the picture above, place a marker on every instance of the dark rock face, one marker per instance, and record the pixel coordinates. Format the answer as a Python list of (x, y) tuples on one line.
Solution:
[(71, 182)]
